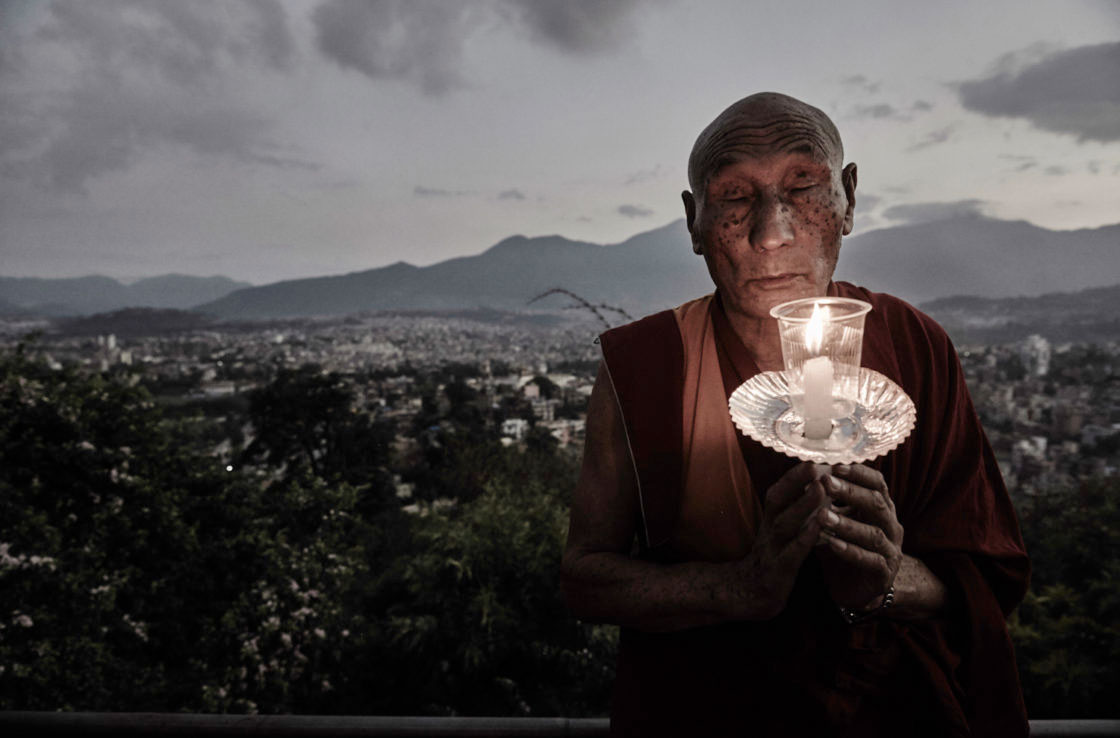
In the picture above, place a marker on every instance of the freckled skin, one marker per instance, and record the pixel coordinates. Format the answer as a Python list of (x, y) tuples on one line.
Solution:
[(769, 199)]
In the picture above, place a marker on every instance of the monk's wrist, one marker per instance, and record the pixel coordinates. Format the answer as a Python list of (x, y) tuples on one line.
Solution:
[(877, 607), (750, 596)]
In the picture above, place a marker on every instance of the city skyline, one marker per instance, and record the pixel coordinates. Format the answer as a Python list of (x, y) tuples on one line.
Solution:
[(271, 140)]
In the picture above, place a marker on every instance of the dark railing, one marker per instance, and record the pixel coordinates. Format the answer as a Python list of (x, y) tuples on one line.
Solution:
[(175, 724)]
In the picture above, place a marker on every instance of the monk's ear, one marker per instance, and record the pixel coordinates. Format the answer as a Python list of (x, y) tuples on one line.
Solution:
[(848, 179), (690, 220)]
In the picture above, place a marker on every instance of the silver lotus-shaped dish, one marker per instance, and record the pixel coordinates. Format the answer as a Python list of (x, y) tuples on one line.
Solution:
[(877, 421)]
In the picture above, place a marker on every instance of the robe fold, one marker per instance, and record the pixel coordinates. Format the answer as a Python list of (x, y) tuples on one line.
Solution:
[(701, 489)]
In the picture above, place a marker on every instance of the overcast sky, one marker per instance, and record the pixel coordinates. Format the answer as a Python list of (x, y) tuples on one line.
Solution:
[(271, 139)]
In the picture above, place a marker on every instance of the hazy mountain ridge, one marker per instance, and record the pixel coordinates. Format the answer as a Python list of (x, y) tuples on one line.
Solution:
[(654, 270), (97, 294), (974, 255), (134, 322), (644, 273), (1091, 315), (1088, 316), (657, 269)]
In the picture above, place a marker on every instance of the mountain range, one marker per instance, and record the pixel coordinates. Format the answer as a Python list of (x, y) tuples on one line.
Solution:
[(984, 257), (970, 255), (90, 295), (1087, 316), (650, 270)]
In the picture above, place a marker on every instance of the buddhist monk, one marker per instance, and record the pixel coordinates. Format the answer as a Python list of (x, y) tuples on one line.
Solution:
[(759, 595)]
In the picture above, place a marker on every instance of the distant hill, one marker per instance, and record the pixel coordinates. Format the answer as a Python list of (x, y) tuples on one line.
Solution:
[(657, 269), (652, 270), (133, 323), (980, 256), (1088, 316), (90, 295), (10, 309)]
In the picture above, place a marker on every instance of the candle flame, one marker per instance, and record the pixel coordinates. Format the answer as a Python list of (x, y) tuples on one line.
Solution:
[(814, 332)]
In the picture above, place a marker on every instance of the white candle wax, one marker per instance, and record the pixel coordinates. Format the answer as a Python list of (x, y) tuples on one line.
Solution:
[(818, 397)]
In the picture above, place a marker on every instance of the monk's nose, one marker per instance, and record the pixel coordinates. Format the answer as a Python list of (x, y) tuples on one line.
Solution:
[(773, 226)]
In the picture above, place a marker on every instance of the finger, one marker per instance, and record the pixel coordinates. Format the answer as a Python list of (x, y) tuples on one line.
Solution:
[(787, 523), (862, 475), (789, 488), (868, 537), (860, 557), (873, 503), (793, 552)]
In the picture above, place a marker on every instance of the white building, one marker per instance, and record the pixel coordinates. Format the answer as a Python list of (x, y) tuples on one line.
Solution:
[(515, 428), (1035, 353)]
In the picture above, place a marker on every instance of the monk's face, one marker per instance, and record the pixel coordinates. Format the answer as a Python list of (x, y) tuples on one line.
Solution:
[(770, 218)]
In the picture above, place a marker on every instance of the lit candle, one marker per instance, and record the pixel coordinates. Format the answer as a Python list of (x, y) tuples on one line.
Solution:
[(817, 374)]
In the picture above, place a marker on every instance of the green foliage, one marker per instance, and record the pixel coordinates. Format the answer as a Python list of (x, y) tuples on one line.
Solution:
[(81, 505), (479, 611), (1067, 631), (137, 573), (305, 423), (285, 634), (140, 575)]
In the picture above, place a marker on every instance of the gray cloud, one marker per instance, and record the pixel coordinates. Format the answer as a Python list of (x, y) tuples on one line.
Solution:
[(1022, 162), (577, 26), (128, 76), (182, 42), (421, 41), (422, 191), (645, 175), (925, 212), (866, 202), (513, 194), (634, 211), (1073, 91), (1055, 170), (933, 138), (884, 111), (860, 82), (880, 110)]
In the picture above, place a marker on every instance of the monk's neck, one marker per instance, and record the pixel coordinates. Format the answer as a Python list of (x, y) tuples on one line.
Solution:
[(761, 339)]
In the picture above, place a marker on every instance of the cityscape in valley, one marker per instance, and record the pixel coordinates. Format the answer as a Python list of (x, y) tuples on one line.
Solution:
[(399, 483), (1051, 409)]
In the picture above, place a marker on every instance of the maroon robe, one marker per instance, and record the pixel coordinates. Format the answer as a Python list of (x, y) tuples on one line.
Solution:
[(807, 671)]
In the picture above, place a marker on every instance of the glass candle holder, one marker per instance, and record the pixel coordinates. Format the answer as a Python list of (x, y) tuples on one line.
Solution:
[(822, 343)]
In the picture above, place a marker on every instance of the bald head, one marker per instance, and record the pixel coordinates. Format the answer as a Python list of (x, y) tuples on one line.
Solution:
[(761, 124)]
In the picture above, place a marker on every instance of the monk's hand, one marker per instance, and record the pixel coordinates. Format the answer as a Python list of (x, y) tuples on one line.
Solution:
[(862, 548), (789, 529)]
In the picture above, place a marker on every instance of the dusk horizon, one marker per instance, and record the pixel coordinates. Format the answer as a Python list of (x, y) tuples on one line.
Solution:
[(281, 140)]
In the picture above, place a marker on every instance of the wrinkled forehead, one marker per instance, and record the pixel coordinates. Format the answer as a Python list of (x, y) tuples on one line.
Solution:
[(761, 131)]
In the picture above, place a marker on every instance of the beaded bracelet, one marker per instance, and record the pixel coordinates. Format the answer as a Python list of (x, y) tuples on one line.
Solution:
[(852, 617)]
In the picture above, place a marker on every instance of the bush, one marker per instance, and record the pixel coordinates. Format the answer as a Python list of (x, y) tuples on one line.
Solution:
[(1067, 631)]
